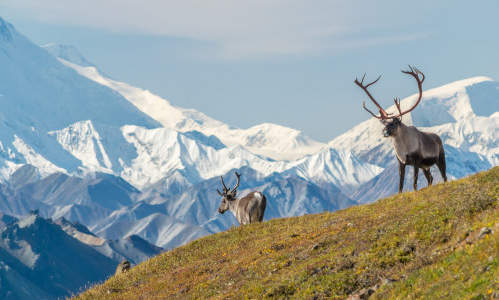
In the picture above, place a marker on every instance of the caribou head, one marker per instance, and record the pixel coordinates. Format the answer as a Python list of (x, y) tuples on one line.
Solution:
[(392, 121), (228, 195), (412, 147)]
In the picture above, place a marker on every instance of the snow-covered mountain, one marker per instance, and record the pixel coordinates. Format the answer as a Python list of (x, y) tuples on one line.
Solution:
[(39, 95), (67, 123), (270, 140)]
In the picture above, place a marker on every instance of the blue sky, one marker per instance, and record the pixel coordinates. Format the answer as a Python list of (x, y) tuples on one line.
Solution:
[(287, 62)]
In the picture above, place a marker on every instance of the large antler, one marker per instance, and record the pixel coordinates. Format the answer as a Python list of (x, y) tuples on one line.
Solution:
[(383, 115), (414, 72), (237, 184), (223, 183), (226, 190)]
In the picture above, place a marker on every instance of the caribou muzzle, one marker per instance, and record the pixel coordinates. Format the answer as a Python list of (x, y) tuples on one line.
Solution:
[(386, 132)]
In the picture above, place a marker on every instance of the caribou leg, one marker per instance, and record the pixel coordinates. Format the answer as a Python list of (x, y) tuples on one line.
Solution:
[(429, 178), (416, 173), (401, 175), (441, 165)]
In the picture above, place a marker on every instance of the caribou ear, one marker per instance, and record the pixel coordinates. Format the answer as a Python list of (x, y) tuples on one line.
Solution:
[(220, 193), (232, 196)]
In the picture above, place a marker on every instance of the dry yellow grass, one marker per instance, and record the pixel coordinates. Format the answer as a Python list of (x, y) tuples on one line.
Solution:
[(421, 244)]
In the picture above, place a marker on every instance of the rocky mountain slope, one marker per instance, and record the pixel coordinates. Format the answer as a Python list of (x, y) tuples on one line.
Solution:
[(42, 259)]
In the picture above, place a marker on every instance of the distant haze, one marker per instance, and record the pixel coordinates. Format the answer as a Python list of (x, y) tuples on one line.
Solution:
[(287, 62)]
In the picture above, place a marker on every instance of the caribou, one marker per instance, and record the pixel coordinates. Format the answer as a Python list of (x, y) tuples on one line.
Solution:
[(412, 147), (248, 209)]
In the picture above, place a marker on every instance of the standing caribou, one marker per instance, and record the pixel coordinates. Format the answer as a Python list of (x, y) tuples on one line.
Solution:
[(412, 147), (248, 209)]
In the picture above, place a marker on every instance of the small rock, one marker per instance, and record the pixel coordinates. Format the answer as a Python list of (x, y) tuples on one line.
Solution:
[(110, 291), (484, 231), (385, 281), (318, 245), (364, 293), (408, 249), (277, 247)]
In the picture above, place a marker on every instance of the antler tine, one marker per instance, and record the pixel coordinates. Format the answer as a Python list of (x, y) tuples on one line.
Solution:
[(367, 109), (383, 114), (373, 81), (238, 180), (220, 193), (419, 72), (397, 104), (414, 72), (223, 183)]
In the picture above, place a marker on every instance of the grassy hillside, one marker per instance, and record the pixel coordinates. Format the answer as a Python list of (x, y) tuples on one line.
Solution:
[(424, 244)]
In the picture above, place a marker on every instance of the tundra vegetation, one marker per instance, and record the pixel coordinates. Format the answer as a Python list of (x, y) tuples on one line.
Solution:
[(439, 242)]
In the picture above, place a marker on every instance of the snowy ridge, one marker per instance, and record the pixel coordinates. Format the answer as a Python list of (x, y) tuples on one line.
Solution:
[(33, 158), (163, 150), (40, 95), (331, 166), (160, 152), (83, 142), (271, 140)]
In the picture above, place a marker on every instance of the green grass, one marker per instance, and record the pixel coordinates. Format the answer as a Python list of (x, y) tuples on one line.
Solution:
[(416, 240)]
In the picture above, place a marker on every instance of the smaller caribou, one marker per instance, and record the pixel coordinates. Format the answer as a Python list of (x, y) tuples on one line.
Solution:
[(412, 147), (248, 209)]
